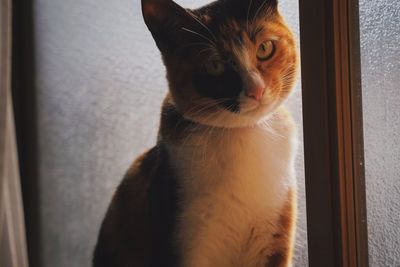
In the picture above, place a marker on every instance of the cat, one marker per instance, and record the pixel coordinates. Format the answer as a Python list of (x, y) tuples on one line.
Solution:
[(219, 188)]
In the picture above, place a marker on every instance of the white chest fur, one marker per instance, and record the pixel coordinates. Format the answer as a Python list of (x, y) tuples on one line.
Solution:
[(234, 184)]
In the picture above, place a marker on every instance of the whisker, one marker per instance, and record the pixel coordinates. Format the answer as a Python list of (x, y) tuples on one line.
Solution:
[(248, 14), (207, 46), (205, 50), (199, 44), (258, 10), (199, 34), (202, 24)]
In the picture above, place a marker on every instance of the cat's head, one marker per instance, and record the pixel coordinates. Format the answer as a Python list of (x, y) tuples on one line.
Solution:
[(229, 64)]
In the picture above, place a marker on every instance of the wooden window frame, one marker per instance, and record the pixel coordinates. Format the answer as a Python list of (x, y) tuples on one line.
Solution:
[(333, 133)]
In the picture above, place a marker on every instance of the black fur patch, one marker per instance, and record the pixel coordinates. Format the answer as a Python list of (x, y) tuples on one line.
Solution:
[(240, 10), (163, 211), (275, 260), (225, 88)]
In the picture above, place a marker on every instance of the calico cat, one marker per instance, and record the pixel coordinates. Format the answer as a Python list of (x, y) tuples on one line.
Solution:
[(219, 188)]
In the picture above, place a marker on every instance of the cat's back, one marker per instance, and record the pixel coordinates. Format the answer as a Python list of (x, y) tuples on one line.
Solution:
[(136, 230)]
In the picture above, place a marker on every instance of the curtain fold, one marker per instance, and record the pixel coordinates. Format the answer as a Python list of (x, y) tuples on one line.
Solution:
[(13, 250)]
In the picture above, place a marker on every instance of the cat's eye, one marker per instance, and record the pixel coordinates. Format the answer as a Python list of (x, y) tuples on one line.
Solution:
[(215, 67), (266, 50)]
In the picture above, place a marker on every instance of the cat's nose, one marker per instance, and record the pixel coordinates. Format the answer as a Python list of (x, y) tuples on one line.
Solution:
[(255, 92)]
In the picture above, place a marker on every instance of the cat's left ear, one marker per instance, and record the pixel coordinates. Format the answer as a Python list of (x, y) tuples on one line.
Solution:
[(165, 20)]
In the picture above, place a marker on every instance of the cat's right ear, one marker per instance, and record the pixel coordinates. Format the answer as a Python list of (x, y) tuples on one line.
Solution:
[(164, 18)]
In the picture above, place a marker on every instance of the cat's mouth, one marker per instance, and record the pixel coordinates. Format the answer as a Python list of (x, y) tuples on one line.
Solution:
[(230, 113), (245, 106)]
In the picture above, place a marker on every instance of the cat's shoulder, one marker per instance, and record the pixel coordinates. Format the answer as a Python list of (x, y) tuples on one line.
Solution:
[(149, 177), (146, 196), (146, 164)]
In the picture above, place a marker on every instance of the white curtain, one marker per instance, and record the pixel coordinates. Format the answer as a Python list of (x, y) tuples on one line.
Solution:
[(13, 251)]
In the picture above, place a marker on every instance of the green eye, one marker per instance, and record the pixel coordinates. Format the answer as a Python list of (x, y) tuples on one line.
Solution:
[(266, 50), (215, 67)]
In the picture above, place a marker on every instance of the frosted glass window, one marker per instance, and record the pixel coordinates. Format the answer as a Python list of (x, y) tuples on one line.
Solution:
[(380, 58), (100, 83)]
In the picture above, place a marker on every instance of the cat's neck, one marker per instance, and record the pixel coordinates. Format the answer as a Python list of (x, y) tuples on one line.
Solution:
[(174, 126), (182, 134)]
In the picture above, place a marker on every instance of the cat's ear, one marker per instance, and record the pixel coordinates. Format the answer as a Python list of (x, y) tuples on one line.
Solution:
[(165, 20)]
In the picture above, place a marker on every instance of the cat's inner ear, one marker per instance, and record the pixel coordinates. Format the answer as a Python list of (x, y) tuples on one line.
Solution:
[(165, 20)]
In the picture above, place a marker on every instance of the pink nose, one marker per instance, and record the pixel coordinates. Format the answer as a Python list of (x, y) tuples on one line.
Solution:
[(255, 92)]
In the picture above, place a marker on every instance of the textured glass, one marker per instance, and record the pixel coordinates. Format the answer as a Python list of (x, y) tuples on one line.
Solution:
[(380, 58), (100, 83)]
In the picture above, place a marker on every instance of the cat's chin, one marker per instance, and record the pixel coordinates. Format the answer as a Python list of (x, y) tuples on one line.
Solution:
[(227, 119)]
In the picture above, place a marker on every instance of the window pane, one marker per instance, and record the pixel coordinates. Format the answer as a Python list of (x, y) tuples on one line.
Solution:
[(100, 84), (380, 57)]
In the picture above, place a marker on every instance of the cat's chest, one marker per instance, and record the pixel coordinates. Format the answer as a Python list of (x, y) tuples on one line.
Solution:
[(254, 164), (233, 183)]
